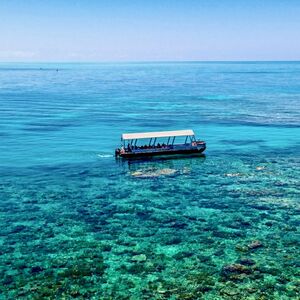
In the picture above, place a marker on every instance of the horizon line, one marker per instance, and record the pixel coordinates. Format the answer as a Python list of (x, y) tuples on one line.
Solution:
[(150, 61)]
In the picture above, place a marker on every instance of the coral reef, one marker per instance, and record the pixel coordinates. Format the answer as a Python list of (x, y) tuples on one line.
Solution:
[(99, 231)]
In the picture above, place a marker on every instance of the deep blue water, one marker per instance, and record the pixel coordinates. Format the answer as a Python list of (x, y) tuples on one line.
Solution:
[(77, 223)]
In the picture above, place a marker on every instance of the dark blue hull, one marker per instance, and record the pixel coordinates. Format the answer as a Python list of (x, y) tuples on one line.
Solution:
[(163, 152)]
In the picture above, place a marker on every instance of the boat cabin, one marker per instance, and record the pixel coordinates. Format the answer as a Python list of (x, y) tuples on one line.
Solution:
[(159, 143)]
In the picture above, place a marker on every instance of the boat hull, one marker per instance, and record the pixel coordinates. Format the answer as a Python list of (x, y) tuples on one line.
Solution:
[(159, 153)]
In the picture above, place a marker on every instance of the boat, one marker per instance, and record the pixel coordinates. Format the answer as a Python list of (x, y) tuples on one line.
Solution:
[(131, 144)]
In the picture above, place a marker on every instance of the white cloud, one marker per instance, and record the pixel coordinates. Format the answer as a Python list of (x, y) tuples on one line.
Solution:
[(17, 54)]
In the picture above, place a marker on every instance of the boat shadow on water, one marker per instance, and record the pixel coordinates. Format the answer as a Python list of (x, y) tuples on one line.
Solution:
[(162, 158), (161, 166)]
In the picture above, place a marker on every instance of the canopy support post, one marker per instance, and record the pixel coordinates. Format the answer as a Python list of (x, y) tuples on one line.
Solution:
[(186, 139), (150, 141), (173, 140), (168, 141), (154, 142)]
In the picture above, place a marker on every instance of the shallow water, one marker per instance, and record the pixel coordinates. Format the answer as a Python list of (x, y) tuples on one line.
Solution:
[(75, 222)]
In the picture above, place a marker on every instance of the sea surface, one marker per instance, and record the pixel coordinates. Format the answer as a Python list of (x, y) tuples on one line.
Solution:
[(77, 223)]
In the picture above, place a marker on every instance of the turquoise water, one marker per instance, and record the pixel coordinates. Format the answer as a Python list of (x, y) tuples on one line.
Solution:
[(76, 223)]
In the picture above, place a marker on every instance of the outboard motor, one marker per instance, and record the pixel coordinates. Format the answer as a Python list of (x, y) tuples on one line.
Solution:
[(117, 152)]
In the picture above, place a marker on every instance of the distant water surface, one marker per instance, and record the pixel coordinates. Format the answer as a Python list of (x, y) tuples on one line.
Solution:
[(74, 222)]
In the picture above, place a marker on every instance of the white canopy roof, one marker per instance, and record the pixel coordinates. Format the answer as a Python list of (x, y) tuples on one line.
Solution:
[(159, 134)]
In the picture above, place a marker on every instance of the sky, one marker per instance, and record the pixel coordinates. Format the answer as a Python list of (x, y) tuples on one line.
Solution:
[(149, 30)]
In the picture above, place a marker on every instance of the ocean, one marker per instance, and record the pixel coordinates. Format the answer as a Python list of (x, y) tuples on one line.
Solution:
[(77, 223)]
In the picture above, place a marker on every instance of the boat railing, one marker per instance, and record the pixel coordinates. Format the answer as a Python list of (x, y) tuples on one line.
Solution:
[(185, 146)]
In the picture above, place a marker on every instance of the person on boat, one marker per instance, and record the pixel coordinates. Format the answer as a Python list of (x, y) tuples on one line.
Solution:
[(158, 145)]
